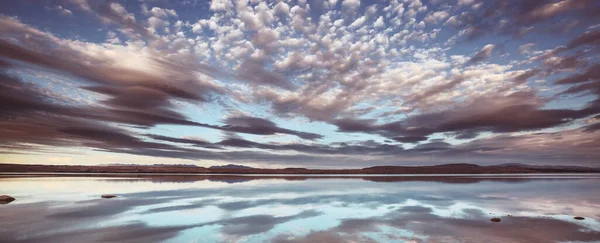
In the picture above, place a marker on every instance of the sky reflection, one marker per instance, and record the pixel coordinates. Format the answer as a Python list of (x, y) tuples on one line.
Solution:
[(300, 209)]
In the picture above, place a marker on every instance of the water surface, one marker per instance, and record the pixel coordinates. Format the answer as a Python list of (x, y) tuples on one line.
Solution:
[(230, 208)]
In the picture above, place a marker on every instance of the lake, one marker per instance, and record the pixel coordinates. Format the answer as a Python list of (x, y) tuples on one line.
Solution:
[(260, 208)]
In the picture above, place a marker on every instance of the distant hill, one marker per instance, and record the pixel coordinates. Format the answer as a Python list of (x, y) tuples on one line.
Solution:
[(159, 165), (240, 169), (230, 166), (477, 169), (569, 167)]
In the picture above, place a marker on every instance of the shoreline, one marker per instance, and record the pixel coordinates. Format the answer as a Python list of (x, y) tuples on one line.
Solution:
[(447, 169)]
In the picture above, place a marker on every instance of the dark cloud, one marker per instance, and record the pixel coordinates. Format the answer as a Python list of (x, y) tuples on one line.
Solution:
[(522, 78), (343, 148), (259, 126), (593, 127), (591, 37), (591, 74), (22, 100), (254, 73), (493, 114), (137, 97), (356, 125), (558, 64), (30, 117), (482, 54), (519, 18), (410, 139), (432, 147), (467, 134), (435, 89), (20, 97), (538, 11), (588, 81), (197, 142), (182, 87)]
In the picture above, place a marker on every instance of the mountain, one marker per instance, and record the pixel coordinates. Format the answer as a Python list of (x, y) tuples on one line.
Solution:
[(556, 167), (240, 169), (231, 166), (177, 165), (156, 165)]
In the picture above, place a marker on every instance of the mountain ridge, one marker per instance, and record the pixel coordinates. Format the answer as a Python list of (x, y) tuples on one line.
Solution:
[(230, 166), (461, 168)]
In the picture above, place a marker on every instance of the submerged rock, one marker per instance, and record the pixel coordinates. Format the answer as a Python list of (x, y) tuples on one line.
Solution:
[(495, 220), (5, 199), (579, 218), (108, 196)]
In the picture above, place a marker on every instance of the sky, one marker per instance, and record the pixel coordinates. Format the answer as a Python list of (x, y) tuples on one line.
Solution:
[(316, 84)]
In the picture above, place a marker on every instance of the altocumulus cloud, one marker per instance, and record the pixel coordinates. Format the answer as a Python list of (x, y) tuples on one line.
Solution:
[(327, 84)]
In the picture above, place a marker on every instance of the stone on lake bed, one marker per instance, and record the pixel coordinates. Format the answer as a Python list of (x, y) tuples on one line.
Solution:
[(4, 199), (108, 196), (495, 220), (579, 218)]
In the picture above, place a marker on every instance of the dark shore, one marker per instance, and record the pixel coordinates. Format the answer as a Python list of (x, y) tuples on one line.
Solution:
[(437, 169)]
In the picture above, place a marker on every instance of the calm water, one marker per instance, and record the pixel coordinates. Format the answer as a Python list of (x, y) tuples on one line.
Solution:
[(173, 208)]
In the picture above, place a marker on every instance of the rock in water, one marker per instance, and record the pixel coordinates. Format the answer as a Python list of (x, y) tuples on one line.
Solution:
[(108, 196), (495, 220), (5, 199), (579, 218)]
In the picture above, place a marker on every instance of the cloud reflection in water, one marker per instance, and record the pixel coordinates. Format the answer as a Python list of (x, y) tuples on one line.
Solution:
[(301, 209)]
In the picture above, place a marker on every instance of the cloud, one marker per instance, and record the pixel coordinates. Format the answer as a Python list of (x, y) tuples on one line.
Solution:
[(436, 17), (254, 73), (591, 37), (515, 18), (254, 125), (483, 54), (358, 22), (66, 125), (524, 76), (397, 73), (111, 75), (483, 114), (220, 5), (410, 139), (591, 74), (283, 9), (379, 22), (351, 4), (526, 48), (465, 2), (162, 13), (113, 13), (60, 10), (133, 92), (546, 11)]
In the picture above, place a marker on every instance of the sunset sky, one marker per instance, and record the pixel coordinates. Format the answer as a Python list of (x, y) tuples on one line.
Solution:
[(300, 83)]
